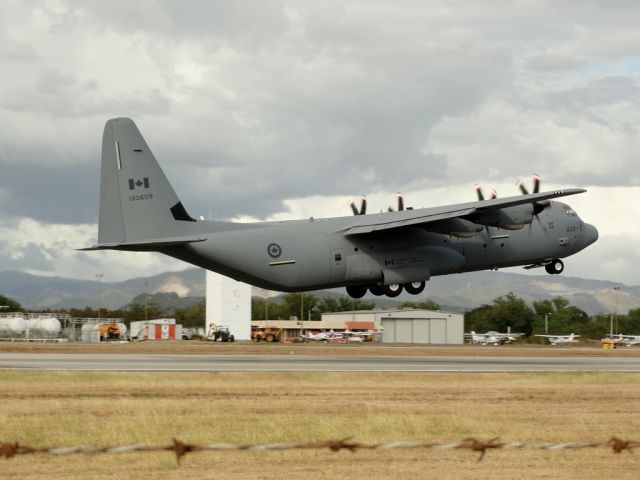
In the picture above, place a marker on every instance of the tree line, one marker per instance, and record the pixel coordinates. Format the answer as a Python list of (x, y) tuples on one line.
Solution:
[(554, 317)]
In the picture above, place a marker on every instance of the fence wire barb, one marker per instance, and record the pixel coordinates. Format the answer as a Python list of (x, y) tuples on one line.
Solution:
[(180, 448)]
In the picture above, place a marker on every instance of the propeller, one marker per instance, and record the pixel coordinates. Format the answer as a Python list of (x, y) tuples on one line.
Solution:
[(400, 203), (478, 190), (538, 207), (363, 206), (536, 185)]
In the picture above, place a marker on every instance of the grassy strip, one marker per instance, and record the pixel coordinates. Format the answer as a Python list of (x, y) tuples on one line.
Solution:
[(95, 408)]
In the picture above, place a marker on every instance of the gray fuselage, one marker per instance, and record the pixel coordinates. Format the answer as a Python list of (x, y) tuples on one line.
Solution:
[(314, 254)]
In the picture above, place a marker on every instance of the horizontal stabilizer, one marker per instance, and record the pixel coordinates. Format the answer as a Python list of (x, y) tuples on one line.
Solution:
[(152, 244)]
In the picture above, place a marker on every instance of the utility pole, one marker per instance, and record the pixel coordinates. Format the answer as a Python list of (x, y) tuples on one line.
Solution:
[(146, 299), (546, 323), (99, 277), (301, 322), (615, 299)]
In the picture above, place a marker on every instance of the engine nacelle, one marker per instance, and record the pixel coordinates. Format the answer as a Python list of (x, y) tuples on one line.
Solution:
[(510, 218), (456, 227)]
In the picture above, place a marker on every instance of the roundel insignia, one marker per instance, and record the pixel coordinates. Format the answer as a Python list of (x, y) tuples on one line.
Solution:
[(274, 250)]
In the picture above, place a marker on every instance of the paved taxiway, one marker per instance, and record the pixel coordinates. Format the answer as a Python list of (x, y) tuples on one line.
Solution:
[(311, 363)]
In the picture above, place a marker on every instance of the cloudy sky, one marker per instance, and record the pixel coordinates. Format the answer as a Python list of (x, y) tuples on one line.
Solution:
[(289, 109)]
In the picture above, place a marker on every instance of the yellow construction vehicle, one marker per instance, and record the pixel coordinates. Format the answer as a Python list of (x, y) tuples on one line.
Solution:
[(266, 334)]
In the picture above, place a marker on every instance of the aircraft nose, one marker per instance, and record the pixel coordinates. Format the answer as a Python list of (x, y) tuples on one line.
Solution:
[(590, 234)]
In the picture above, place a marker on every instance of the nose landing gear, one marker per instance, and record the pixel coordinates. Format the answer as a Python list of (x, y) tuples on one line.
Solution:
[(554, 267)]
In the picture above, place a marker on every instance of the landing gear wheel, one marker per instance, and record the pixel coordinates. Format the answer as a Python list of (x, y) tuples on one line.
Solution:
[(554, 268), (414, 288), (392, 290), (356, 291), (376, 290)]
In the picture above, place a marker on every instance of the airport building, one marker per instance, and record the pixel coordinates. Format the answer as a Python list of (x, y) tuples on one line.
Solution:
[(229, 304), (396, 326)]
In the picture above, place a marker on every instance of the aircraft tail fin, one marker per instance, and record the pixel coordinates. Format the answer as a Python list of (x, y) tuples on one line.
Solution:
[(138, 206)]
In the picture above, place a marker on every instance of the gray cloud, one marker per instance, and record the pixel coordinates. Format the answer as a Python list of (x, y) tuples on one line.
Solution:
[(30, 257), (49, 193)]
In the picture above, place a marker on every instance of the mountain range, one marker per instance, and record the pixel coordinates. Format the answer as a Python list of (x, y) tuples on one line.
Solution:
[(452, 292)]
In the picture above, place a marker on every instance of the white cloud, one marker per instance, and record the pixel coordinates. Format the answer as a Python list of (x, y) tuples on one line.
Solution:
[(50, 249)]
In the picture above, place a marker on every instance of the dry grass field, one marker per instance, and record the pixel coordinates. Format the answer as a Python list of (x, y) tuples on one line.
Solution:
[(93, 408)]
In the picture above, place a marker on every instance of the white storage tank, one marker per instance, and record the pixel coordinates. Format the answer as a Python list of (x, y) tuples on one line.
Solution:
[(90, 333), (43, 327), (11, 327), (123, 331)]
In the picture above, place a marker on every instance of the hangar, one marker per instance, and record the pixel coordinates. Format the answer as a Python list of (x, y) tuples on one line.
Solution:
[(408, 325)]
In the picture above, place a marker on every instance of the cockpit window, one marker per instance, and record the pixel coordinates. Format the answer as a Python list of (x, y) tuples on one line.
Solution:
[(570, 212)]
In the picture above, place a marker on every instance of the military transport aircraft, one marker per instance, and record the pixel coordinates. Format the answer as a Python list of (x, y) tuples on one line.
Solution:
[(383, 253)]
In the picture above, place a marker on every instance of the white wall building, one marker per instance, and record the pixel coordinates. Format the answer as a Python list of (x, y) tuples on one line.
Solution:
[(229, 303)]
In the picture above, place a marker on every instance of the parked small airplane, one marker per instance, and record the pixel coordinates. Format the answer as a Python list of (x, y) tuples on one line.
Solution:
[(492, 338), (359, 336), (384, 253), (614, 340), (560, 339), (620, 339), (348, 335), (321, 336), (631, 340)]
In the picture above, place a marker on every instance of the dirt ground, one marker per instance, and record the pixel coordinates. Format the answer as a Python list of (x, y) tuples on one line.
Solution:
[(197, 347)]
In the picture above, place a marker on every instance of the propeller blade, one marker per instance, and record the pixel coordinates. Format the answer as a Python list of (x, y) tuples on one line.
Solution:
[(494, 194), (363, 205), (478, 190), (536, 183), (522, 188), (400, 202)]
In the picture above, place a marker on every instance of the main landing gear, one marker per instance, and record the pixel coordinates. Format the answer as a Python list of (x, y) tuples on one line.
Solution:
[(391, 291), (554, 267)]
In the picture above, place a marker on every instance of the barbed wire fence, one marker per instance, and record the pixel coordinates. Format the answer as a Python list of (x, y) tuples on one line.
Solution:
[(180, 449)]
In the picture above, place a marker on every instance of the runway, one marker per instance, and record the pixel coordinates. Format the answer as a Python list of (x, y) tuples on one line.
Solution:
[(311, 363)]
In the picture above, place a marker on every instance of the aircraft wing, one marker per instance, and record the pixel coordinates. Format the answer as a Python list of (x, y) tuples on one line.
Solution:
[(389, 221), (558, 336)]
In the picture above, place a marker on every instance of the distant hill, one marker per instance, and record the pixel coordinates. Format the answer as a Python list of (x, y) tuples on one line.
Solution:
[(452, 292), (55, 292)]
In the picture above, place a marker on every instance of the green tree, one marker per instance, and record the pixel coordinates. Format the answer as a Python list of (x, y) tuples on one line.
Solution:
[(295, 309), (287, 306), (194, 316), (137, 311), (13, 305), (507, 312), (562, 318)]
